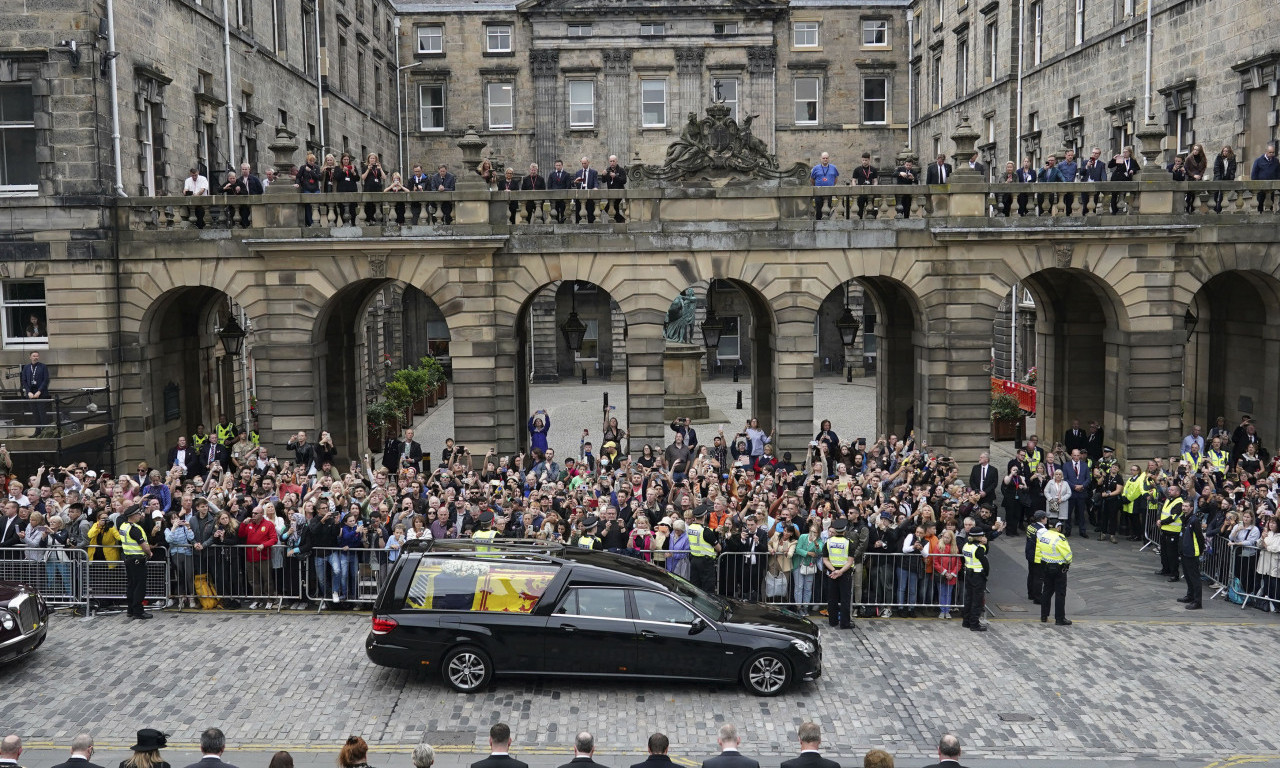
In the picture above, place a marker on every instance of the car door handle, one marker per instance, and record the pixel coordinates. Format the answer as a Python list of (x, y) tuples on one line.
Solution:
[(568, 628), (648, 634)]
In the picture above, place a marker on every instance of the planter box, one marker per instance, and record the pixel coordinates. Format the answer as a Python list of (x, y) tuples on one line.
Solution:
[(442, 390), (1004, 430)]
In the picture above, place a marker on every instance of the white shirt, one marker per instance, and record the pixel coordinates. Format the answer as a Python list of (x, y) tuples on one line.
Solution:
[(197, 186)]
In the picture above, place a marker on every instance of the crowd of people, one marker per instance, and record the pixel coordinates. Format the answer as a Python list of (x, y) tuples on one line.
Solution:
[(354, 753)]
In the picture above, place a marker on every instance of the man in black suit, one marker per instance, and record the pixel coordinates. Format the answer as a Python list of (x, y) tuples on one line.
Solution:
[(35, 386), (411, 452), (392, 450), (559, 179), (10, 751), (10, 532), (810, 741), (249, 185), (213, 451), (443, 181), (1075, 438), (418, 181), (212, 744), (1093, 444), (983, 479), (658, 746), (587, 178), (729, 756), (977, 166), (81, 753), (499, 749), (182, 456), (938, 172), (584, 749), (948, 752)]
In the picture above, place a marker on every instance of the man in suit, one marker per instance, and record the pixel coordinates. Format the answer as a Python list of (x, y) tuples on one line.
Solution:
[(977, 166), (532, 182), (1093, 442), (10, 751), (658, 746), (249, 185), (1265, 168), (948, 752), (729, 756), (983, 479), (614, 177), (499, 749), (750, 545), (81, 753), (411, 452), (1123, 168), (584, 749), (1241, 438), (810, 741), (10, 532), (418, 181), (182, 456), (35, 386), (587, 178), (392, 450), (212, 744), (1074, 439), (559, 179), (1093, 169), (938, 172), (905, 174), (1076, 473), (213, 451), (443, 181)]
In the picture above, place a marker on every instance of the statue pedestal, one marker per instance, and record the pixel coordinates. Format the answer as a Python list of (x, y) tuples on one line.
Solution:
[(682, 374)]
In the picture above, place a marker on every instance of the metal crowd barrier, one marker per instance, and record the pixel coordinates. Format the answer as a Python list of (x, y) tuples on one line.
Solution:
[(105, 579), (59, 576), (236, 574), (349, 575), (1152, 529)]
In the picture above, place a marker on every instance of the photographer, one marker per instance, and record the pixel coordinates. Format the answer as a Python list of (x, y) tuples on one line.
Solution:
[(180, 540), (373, 178)]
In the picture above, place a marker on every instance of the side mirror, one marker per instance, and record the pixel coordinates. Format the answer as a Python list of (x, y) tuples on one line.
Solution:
[(698, 625)]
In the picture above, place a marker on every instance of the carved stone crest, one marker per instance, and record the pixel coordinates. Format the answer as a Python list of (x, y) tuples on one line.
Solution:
[(717, 145), (377, 265), (1062, 254)]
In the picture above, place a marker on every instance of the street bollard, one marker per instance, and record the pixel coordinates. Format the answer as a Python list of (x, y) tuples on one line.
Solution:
[(739, 399)]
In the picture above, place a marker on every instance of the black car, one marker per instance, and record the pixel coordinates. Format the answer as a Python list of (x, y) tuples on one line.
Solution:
[(24, 620), (526, 608)]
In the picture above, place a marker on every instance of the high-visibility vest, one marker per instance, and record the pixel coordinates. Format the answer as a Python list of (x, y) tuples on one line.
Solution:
[(130, 547), (484, 536), (1217, 461), (1053, 548), (698, 546), (225, 433), (255, 438), (1133, 490), (587, 541), (1034, 458), (1171, 516), (838, 551), (971, 561), (1193, 459), (199, 440)]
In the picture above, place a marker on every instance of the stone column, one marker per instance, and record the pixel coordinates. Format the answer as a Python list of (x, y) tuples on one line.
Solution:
[(617, 102), (793, 415), (544, 64), (483, 352), (689, 70), (645, 385), (763, 88), (956, 387)]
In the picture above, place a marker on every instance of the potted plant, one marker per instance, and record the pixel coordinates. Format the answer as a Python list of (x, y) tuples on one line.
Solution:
[(435, 376), (1007, 419), (381, 416), (416, 383), (399, 397)]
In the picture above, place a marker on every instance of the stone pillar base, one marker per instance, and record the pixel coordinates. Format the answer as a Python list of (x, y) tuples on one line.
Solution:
[(682, 374)]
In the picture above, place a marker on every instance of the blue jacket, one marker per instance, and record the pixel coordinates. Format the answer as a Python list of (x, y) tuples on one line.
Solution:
[(538, 437), (1264, 169), (1069, 170), (1073, 479)]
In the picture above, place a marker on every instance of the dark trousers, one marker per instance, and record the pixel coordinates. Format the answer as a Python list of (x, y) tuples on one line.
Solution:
[(616, 207), (1169, 553), (702, 572), (904, 206), (135, 576), (840, 600), (1055, 586), (512, 208), (1079, 514), (198, 212), (558, 206), (1195, 585), (818, 202), (975, 595), (1035, 580), (529, 209), (591, 211)]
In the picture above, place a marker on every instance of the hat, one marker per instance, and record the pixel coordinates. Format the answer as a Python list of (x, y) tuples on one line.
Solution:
[(150, 739), (1108, 449), (608, 444), (978, 530), (91, 474), (702, 510), (486, 518), (1040, 515), (590, 521), (665, 521), (158, 513), (136, 509), (839, 524)]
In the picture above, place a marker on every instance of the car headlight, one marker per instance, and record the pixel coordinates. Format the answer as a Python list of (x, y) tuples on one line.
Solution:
[(804, 646), (6, 620)]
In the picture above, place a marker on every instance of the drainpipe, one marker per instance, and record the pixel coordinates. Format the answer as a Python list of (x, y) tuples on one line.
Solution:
[(1146, 84), (115, 100), (1022, 36), (231, 109), (910, 84), (320, 81)]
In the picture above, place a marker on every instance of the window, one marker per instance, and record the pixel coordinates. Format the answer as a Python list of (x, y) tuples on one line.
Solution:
[(455, 584), (279, 26), (936, 90), (501, 106), (359, 77), (244, 13), (804, 34), (342, 64), (1078, 28), (24, 314), (962, 67), (1033, 121), (915, 90), (431, 39), (989, 129), (377, 87), (937, 13), (1181, 125), (579, 30), (1128, 7), (730, 346), (653, 103), (308, 40), (875, 33), (582, 104), (653, 29), (595, 603), (590, 350), (1036, 11), (147, 124), (993, 50), (875, 100), (1073, 106), (807, 100), (17, 137), (655, 606), (497, 38), (728, 93), (725, 28)]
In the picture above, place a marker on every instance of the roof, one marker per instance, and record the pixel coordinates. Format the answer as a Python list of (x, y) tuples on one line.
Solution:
[(455, 6)]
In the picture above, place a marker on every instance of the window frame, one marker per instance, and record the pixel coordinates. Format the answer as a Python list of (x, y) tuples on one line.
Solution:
[(736, 101), (21, 125), (576, 30), (1077, 27), (643, 102), (962, 67), (489, 104), (591, 104), (491, 32), (816, 30), (883, 101), (883, 30), (1037, 32), (6, 304), (442, 107), (817, 99), (724, 28), (733, 322), (992, 35), (653, 28), (420, 38)]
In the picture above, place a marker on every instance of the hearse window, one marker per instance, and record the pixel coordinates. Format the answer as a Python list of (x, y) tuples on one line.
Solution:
[(652, 606), (456, 584), (596, 603)]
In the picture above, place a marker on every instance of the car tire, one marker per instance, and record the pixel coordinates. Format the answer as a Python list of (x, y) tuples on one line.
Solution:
[(466, 669), (766, 674)]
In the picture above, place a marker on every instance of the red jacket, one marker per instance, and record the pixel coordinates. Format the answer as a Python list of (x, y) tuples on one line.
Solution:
[(263, 533)]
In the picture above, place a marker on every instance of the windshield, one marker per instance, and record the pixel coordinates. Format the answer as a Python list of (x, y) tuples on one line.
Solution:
[(705, 604)]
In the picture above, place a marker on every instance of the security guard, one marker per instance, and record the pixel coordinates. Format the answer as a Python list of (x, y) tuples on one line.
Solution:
[(838, 559), (136, 550), (1216, 459), (199, 438), (485, 533), (1190, 545), (588, 538), (1035, 454), (1035, 572), (226, 430), (1193, 457), (702, 551), (1170, 532), (976, 568), (1135, 502), (1108, 459), (1054, 553)]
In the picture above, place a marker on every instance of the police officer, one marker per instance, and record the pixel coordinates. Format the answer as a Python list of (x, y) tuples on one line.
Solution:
[(485, 533), (588, 538), (136, 550), (1108, 459), (1035, 571), (1190, 545), (226, 430), (1054, 553), (976, 568), (1170, 532), (838, 559), (702, 550), (1135, 502)]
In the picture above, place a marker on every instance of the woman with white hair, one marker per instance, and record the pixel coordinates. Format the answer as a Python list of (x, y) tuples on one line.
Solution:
[(423, 756)]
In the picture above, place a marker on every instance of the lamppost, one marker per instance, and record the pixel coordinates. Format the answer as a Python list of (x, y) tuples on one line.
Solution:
[(574, 330), (400, 99), (233, 335), (712, 326), (848, 325)]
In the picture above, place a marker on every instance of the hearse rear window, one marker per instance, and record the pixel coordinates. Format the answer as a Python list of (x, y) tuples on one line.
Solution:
[(455, 584)]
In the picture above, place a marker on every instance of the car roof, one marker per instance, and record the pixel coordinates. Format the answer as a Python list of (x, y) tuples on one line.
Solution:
[(589, 566)]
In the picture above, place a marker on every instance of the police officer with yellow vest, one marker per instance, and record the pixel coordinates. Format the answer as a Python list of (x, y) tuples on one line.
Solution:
[(199, 438), (837, 556), (1170, 532), (1190, 546), (485, 533), (136, 550), (702, 550), (226, 430), (1053, 552), (1035, 571), (976, 568), (588, 538), (1216, 460), (1135, 502)]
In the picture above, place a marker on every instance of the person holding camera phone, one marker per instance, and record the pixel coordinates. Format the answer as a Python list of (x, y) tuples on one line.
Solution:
[(196, 185), (373, 178)]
